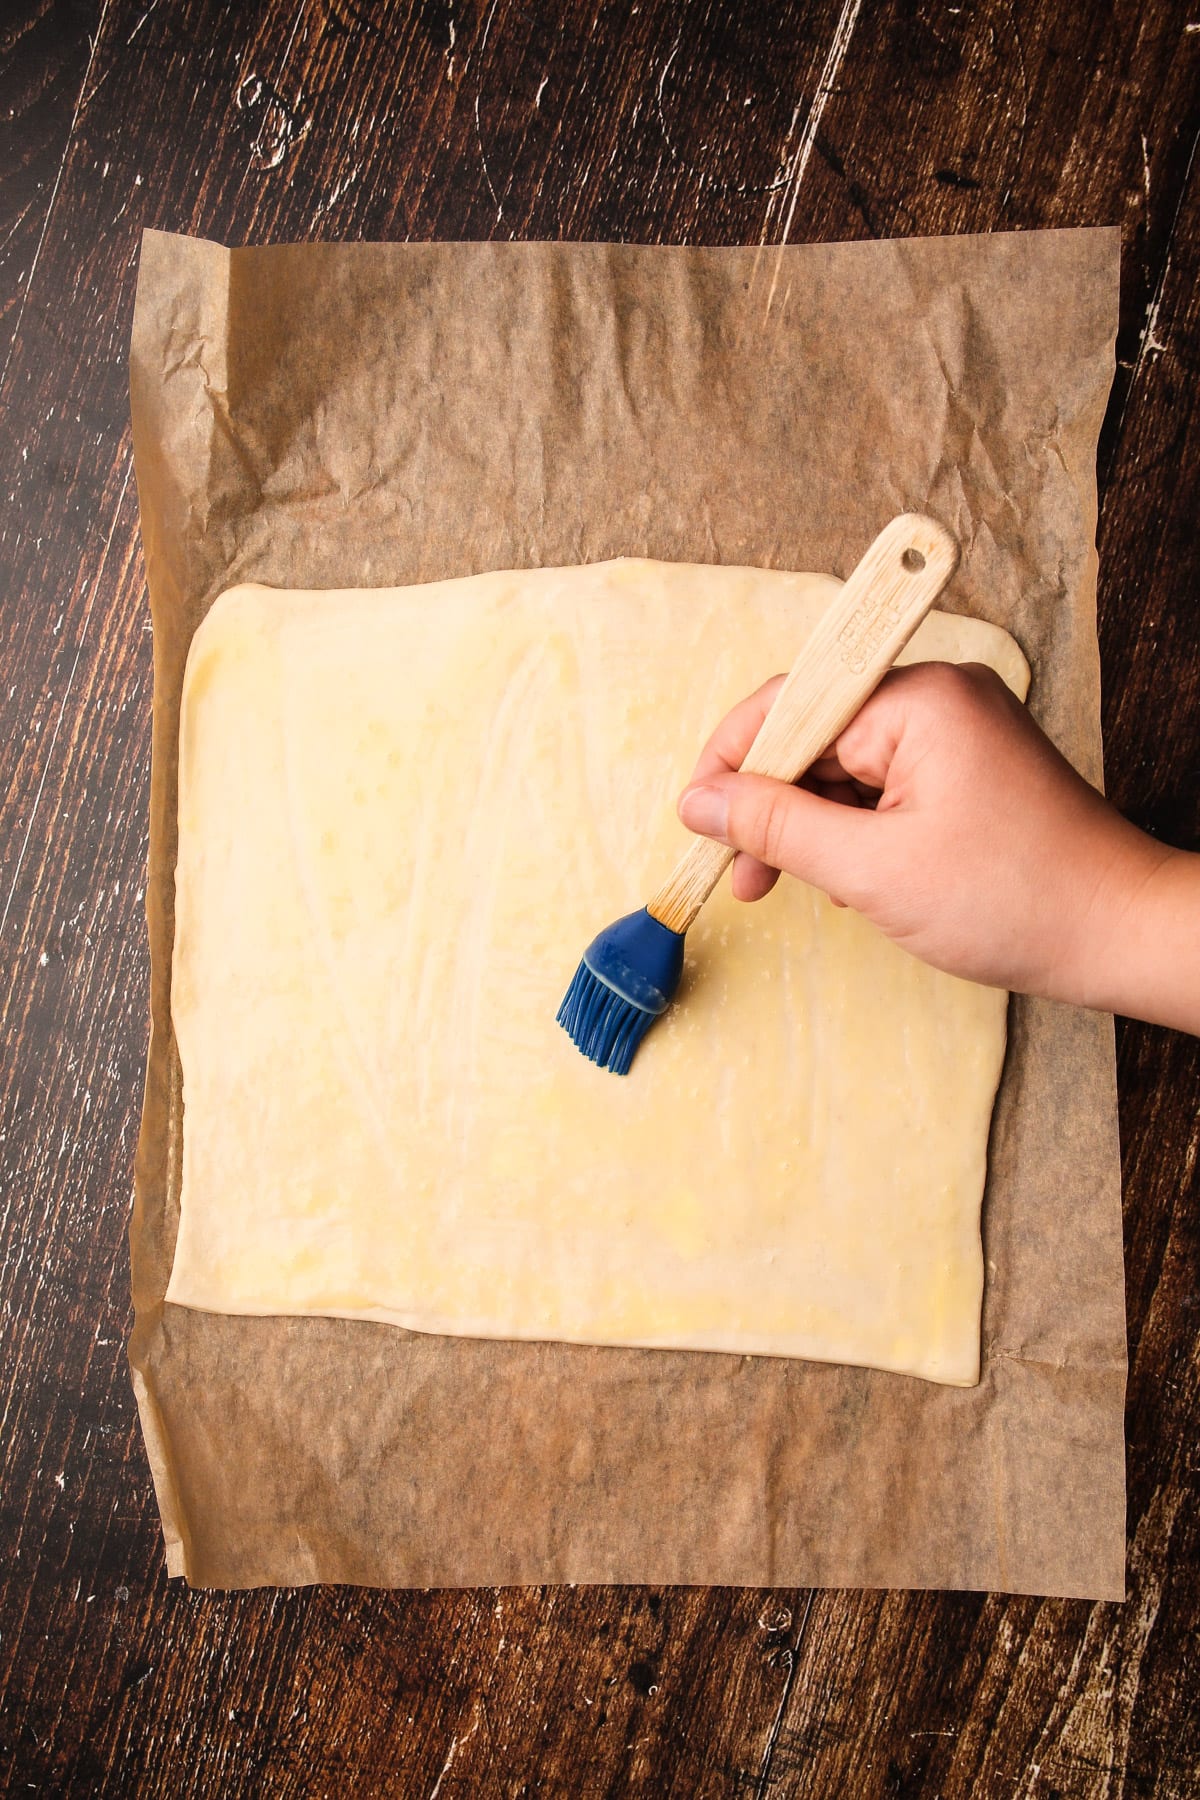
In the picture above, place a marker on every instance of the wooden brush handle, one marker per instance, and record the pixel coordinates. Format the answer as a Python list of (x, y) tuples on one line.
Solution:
[(855, 643)]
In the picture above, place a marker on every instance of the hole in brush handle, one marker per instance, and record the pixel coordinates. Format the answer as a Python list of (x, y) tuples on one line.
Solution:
[(913, 561)]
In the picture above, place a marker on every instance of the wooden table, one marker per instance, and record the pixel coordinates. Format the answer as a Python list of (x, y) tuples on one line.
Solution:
[(674, 122)]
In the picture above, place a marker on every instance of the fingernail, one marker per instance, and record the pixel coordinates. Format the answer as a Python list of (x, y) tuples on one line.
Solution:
[(704, 809)]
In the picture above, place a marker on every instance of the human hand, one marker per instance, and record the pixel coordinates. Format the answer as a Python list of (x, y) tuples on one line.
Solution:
[(945, 816)]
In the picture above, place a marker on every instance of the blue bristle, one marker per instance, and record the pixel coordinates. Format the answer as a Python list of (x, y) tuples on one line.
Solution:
[(603, 1026), (626, 979)]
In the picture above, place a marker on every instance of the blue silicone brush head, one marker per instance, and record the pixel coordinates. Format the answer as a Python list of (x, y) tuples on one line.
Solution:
[(628, 976)]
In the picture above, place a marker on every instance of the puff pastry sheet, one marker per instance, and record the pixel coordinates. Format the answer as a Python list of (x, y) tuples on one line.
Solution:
[(402, 815)]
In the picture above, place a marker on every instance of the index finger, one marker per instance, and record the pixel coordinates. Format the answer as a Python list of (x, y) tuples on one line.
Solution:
[(727, 747)]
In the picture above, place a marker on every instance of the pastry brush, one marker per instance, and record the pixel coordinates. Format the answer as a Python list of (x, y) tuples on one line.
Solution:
[(629, 973)]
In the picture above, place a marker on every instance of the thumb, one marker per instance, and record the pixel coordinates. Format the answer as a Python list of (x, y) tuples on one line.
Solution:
[(820, 841)]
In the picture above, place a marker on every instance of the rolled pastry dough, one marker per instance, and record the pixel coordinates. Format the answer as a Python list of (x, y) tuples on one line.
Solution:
[(402, 814)]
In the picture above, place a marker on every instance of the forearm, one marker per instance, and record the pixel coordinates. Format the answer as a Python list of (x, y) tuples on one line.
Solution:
[(1141, 954)]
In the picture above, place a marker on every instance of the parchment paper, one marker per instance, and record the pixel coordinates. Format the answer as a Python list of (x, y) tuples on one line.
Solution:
[(338, 415)]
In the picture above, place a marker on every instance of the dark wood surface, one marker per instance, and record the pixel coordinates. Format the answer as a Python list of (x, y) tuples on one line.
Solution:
[(668, 121)]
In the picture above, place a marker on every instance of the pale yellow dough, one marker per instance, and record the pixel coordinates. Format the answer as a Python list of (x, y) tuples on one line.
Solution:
[(402, 815)]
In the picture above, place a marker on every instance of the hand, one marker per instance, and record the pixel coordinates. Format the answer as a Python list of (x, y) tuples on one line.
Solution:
[(947, 818)]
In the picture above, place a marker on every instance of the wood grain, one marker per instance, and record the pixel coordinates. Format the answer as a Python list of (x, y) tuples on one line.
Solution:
[(689, 122)]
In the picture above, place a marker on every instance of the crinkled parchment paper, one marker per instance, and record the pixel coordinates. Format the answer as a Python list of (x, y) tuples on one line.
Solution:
[(339, 415)]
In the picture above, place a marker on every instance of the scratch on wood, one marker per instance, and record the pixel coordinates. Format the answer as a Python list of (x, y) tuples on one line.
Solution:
[(292, 35), (455, 1745), (70, 139), (487, 175), (1022, 128), (705, 176), (280, 125), (62, 706), (16, 224), (142, 20), (90, 94), (1149, 343), (1113, 1650), (336, 192), (826, 81), (793, 1655)]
